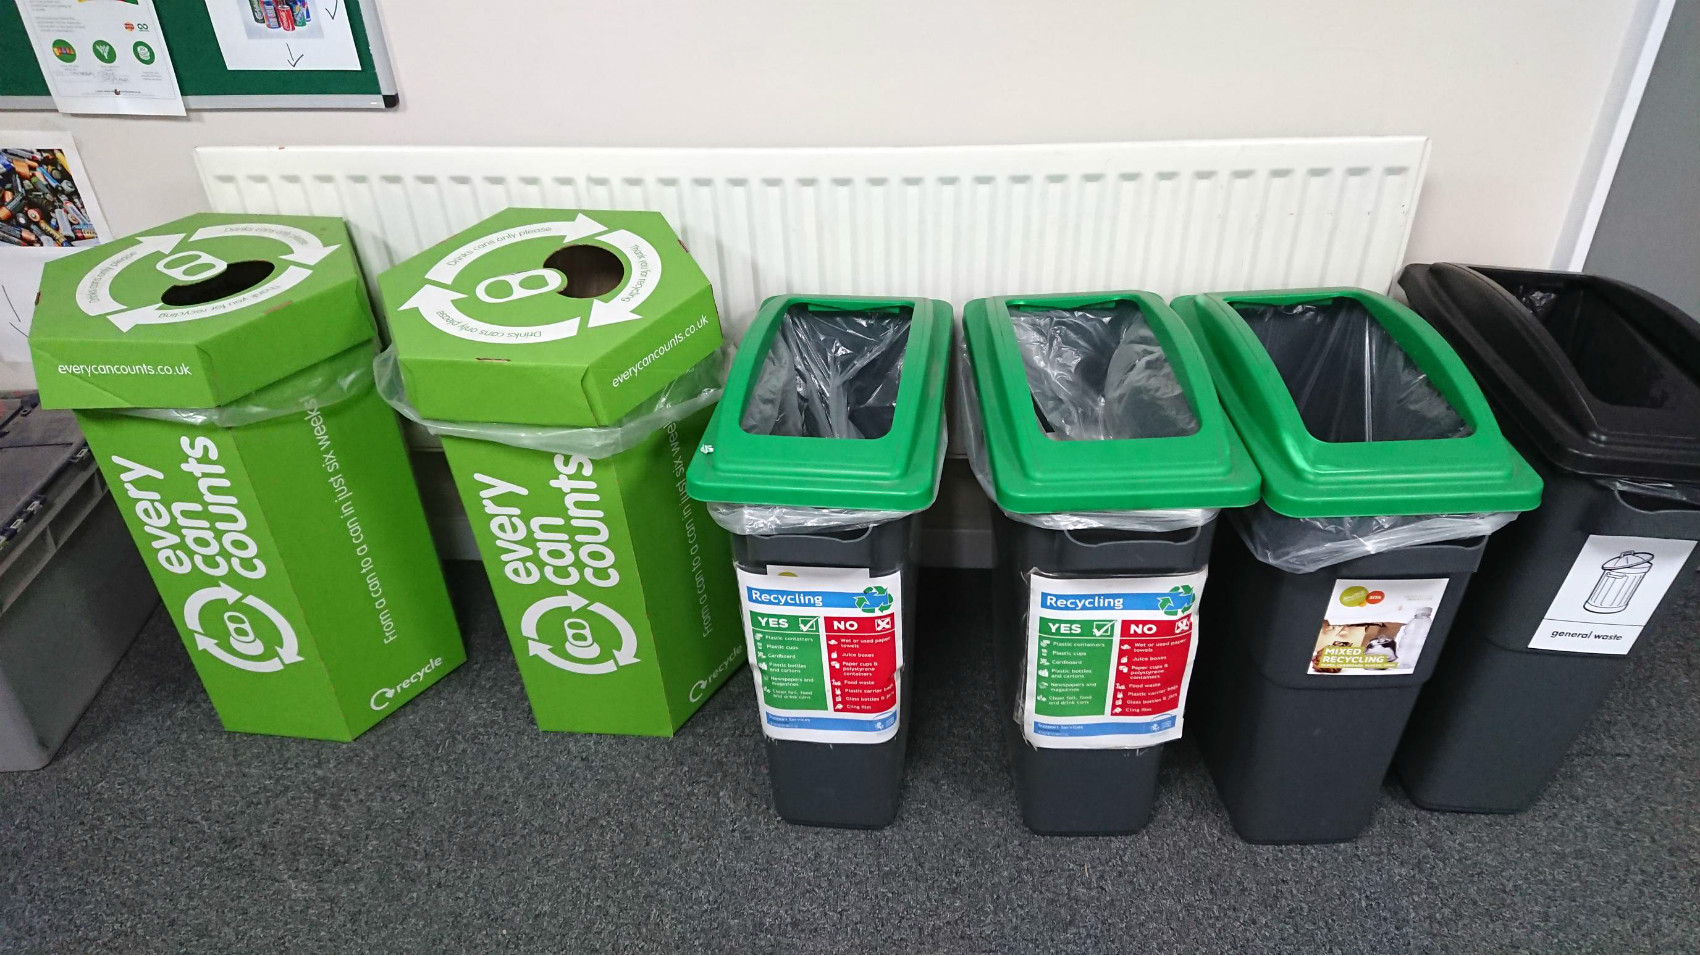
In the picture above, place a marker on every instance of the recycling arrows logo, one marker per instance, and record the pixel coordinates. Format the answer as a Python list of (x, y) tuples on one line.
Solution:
[(873, 600), (440, 302), (94, 291), (246, 649), (1179, 603), (579, 652)]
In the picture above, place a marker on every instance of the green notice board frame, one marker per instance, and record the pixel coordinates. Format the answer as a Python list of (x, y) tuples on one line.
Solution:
[(201, 74)]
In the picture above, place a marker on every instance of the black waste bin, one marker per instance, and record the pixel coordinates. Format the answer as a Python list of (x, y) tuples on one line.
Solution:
[(819, 459), (1383, 473), (1092, 422), (1598, 384)]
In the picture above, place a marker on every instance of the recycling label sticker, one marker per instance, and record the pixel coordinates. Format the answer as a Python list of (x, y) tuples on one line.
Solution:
[(471, 307), (1108, 660), (1376, 627), (826, 648), (176, 257)]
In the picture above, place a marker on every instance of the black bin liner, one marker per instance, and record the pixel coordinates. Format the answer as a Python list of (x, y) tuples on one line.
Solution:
[(830, 374), (1100, 373), (1352, 383)]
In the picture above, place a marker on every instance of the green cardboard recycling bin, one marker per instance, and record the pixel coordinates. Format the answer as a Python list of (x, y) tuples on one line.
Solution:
[(1383, 474), (568, 360), (220, 366)]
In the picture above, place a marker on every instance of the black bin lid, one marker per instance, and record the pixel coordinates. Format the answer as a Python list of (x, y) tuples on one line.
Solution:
[(1603, 377)]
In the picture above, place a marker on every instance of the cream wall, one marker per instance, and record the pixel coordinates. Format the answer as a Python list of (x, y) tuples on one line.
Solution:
[(1510, 92)]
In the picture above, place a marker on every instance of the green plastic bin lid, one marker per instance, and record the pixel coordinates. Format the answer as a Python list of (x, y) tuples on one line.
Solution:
[(1037, 472), (196, 313), (896, 471), (1305, 476), (560, 317)]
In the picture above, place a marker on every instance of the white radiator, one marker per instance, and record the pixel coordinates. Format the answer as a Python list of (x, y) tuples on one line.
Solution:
[(952, 223), (948, 222)]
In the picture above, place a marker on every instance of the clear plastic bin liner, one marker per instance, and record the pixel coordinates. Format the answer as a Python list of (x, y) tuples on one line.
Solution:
[(829, 374), (698, 388), (1302, 545), (1682, 494), (337, 379), (974, 438), (782, 519), (1099, 373), (1350, 380)]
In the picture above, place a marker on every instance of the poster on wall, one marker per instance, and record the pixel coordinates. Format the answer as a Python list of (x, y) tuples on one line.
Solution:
[(103, 56), (47, 210), (284, 34)]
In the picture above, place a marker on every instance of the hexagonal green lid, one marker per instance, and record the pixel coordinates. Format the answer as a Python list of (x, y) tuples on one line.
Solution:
[(196, 313), (548, 317)]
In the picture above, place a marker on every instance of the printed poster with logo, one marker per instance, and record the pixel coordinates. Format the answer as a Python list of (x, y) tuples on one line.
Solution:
[(1108, 660), (1376, 627), (826, 650), (103, 56)]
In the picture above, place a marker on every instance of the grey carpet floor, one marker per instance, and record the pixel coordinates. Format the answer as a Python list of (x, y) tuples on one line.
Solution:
[(455, 825)]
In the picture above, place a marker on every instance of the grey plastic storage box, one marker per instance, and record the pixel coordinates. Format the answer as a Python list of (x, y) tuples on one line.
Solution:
[(825, 448), (73, 589), (1092, 423), (1598, 384), (1383, 472)]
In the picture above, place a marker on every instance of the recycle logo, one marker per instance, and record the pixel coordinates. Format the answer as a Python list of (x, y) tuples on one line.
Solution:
[(873, 600), (94, 291), (238, 642), (441, 297), (577, 649), (1179, 604)]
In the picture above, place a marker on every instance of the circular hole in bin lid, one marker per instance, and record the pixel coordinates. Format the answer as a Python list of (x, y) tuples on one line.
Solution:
[(590, 270), (234, 279), (1629, 560)]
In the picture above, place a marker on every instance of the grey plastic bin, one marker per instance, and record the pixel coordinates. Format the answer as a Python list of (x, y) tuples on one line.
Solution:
[(73, 590)]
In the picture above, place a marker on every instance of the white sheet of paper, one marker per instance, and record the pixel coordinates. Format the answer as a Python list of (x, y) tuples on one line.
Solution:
[(284, 34), (55, 204), (103, 56)]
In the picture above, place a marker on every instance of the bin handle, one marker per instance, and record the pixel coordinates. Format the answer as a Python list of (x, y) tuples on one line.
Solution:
[(1189, 539)]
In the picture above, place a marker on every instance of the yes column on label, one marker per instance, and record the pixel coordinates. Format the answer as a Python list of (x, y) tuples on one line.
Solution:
[(787, 649)]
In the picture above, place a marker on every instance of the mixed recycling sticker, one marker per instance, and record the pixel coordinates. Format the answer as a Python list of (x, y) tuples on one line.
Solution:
[(471, 306), (1376, 627), (176, 256), (1108, 659), (826, 648)]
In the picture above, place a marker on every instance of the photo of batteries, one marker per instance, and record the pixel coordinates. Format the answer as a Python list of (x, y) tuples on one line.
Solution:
[(39, 202), (285, 15)]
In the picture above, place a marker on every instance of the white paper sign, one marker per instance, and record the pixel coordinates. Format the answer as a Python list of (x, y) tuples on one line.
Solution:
[(1108, 660), (296, 35), (826, 650), (103, 56), (1612, 590), (47, 210)]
